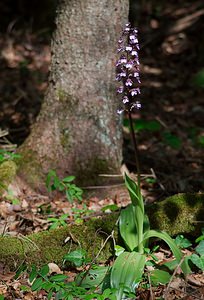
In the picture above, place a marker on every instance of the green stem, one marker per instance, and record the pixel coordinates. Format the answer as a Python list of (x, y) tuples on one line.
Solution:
[(135, 148)]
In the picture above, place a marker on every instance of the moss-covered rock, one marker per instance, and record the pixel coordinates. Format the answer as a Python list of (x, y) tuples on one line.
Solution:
[(7, 173), (50, 246), (179, 214)]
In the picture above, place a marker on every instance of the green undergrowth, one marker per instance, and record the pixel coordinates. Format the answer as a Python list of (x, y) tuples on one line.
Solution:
[(179, 214), (50, 246)]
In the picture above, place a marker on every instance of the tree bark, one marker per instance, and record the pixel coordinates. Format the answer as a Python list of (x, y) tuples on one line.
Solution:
[(78, 131)]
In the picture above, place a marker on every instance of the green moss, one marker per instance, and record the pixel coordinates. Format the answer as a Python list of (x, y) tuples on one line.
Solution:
[(181, 213), (49, 246), (29, 164), (177, 214), (7, 173)]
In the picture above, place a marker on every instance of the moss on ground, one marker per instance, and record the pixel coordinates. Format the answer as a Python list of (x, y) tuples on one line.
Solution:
[(182, 213)]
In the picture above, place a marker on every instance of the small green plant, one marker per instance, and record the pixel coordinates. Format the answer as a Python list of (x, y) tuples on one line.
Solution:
[(197, 258), (7, 155), (59, 287), (171, 140), (182, 242), (77, 257), (78, 213), (11, 197), (58, 222), (53, 182)]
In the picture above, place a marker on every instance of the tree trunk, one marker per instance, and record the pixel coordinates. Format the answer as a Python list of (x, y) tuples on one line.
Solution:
[(78, 131)]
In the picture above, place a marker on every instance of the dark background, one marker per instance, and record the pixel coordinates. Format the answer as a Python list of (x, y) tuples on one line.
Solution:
[(169, 126)]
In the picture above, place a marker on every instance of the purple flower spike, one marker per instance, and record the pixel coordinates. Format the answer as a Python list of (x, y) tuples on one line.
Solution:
[(127, 69), (129, 65), (128, 48), (120, 90), (128, 82), (136, 105), (125, 99), (120, 111)]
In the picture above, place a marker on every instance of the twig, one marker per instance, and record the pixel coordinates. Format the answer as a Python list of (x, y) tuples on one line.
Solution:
[(150, 287), (95, 258), (172, 277), (101, 186), (159, 183)]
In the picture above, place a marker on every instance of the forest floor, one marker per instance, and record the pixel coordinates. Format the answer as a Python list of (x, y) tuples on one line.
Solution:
[(170, 126)]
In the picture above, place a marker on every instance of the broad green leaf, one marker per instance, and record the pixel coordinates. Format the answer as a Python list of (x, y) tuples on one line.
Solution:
[(44, 271), (128, 229), (118, 250), (58, 278), (111, 207), (68, 179), (134, 192), (77, 257), (127, 271), (130, 219), (69, 196), (159, 277), (33, 274), (2, 297), (172, 245), (171, 265), (37, 284), (182, 242), (198, 261), (92, 278), (56, 182), (47, 285), (200, 248)]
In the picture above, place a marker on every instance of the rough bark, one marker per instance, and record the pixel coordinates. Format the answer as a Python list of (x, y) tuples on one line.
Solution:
[(78, 131), (179, 214)]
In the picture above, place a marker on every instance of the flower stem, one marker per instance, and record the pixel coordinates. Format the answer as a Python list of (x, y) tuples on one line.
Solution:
[(135, 148)]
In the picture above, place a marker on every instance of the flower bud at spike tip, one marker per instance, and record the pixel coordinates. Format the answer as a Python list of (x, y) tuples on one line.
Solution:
[(127, 69)]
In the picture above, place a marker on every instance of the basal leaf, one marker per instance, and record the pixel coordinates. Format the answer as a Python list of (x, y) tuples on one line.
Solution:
[(127, 271), (159, 277), (172, 245), (128, 229)]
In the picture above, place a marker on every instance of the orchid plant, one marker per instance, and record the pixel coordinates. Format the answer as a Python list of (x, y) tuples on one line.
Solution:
[(134, 225)]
